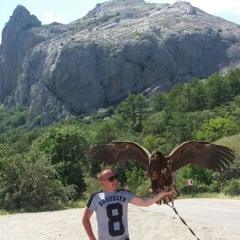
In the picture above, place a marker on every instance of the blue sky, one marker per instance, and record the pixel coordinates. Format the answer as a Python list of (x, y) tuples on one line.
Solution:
[(65, 11)]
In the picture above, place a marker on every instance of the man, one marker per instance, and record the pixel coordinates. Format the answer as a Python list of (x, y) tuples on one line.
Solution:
[(111, 206)]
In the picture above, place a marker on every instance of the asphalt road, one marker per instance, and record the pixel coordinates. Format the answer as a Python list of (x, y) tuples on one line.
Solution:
[(215, 212)]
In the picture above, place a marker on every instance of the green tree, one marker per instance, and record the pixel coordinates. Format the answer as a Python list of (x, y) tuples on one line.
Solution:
[(176, 100), (194, 91), (202, 178), (134, 109), (151, 143), (222, 178), (217, 90), (142, 110), (127, 109), (232, 188), (233, 78), (159, 102), (28, 182), (69, 154), (106, 132), (217, 128), (135, 178), (156, 123)]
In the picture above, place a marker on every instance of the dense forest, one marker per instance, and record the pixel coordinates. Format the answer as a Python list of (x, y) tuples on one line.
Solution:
[(49, 167)]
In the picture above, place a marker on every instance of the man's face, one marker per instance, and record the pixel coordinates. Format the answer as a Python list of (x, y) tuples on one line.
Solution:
[(109, 181)]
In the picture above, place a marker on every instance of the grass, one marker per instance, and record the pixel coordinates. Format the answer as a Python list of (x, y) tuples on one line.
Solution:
[(210, 195), (82, 203), (3, 213), (92, 186), (233, 142), (78, 204)]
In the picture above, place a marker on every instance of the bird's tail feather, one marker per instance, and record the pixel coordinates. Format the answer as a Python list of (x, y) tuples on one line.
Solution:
[(168, 198)]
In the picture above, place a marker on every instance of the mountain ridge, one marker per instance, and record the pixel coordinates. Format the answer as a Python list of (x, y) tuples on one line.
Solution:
[(119, 47)]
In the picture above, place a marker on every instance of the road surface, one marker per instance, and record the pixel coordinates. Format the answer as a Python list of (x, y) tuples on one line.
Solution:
[(209, 219), (224, 213)]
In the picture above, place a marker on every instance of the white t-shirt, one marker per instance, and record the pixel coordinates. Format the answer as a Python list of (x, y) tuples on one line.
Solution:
[(112, 213)]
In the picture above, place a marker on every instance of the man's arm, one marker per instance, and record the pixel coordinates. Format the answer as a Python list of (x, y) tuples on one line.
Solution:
[(146, 202), (87, 224)]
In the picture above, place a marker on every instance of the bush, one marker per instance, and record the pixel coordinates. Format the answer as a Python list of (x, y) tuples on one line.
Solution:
[(196, 188), (215, 186), (233, 188), (135, 179), (144, 189), (28, 183)]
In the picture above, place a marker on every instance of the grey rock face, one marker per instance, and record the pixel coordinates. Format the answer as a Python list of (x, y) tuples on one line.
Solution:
[(15, 44), (118, 48)]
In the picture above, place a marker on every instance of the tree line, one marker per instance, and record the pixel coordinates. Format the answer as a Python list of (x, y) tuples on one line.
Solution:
[(47, 167)]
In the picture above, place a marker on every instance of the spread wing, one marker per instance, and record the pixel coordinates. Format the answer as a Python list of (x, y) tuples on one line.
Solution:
[(203, 154), (119, 152)]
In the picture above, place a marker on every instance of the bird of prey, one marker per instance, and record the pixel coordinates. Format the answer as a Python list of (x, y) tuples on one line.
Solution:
[(160, 168)]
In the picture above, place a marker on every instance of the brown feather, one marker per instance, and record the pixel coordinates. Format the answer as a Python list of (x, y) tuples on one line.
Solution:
[(202, 154), (160, 168), (119, 152)]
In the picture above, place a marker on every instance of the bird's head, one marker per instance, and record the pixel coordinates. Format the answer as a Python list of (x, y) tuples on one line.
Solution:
[(156, 156)]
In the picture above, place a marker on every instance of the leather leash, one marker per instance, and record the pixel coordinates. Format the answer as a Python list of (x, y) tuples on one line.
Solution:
[(175, 210)]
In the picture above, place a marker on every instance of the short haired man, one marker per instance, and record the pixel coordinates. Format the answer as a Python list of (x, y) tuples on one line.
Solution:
[(111, 207)]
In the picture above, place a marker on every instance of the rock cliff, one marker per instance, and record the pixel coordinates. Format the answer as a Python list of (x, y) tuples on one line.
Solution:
[(119, 47)]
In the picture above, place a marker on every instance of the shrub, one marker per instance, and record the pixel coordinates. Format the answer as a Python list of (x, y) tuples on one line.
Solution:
[(233, 188), (28, 183)]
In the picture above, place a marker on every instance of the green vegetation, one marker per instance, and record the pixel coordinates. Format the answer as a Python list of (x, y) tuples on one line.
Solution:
[(50, 168), (102, 19)]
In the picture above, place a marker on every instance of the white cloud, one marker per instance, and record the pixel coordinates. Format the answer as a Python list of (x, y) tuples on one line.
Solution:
[(216, 7), (49, 18), (236, 10)]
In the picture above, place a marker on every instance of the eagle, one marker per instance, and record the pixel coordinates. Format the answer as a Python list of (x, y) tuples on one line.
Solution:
[(160, 168)]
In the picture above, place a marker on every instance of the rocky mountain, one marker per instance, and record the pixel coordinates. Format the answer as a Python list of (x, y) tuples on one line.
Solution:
[(119, 47)]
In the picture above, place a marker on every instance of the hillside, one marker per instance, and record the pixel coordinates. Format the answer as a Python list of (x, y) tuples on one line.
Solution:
[(118, 48), (232, 142)]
